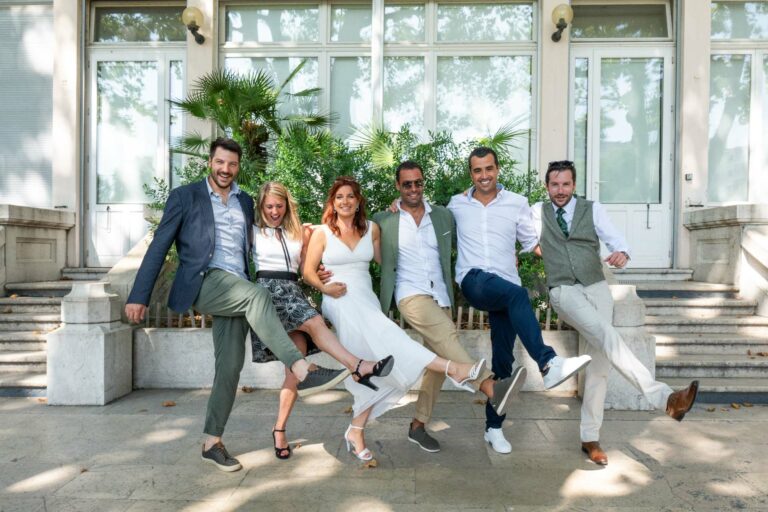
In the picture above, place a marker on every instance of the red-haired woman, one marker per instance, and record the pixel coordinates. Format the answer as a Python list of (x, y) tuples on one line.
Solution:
[(346, 244)]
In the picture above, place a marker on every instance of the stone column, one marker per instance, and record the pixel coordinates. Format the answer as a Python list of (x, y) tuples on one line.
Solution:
[(629, 320), (90, 359)]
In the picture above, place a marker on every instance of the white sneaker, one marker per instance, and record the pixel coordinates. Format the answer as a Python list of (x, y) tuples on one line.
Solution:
[(495, 438), (561, 369)]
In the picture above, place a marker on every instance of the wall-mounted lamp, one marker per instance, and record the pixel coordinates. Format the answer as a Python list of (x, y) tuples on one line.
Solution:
[(192, 18), (562, 15)]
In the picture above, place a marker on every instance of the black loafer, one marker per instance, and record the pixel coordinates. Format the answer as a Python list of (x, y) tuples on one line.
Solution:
[(219, 456)]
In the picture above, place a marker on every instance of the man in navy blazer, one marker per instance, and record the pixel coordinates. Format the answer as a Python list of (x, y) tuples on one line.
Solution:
[(213, 240)]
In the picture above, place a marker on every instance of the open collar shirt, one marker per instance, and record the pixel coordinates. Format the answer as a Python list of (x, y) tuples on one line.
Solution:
[(229, 232), (418, 259), (487, 233)]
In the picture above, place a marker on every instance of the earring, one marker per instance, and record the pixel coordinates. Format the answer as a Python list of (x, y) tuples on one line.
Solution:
[(334, 210), (357, 209)]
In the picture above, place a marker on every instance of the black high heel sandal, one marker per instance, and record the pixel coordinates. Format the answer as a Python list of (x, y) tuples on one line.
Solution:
[(280, 453), (380, 369)]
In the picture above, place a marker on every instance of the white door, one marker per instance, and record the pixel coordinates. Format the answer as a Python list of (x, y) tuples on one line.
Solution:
[(131, 124), (621, 142)]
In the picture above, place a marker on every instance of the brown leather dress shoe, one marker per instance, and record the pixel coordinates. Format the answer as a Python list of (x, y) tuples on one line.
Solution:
[(595, 453), (680, 402)]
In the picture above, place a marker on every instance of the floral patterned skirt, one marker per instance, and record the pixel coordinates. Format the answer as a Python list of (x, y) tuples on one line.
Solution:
[(293, 309)]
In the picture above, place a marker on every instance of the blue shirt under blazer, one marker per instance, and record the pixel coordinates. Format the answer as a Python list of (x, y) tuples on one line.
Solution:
[(188, 221)]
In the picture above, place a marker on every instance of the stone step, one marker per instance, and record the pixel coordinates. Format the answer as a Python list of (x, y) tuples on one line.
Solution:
[(26, 379), (29, 322), (84, 274), (709, 307), (743, 325), (22, 356), (684, 289), (673, 344), (30, 304), (714, 365), (726, 390), (40, 289), (635, 275), (22, 340)]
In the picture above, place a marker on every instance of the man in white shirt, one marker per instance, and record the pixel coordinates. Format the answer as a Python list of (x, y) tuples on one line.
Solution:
[(570, 231), (416, 242), (489, 220)]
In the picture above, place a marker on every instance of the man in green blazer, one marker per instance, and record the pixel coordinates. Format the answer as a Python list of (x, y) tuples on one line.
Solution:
[(416, 272)]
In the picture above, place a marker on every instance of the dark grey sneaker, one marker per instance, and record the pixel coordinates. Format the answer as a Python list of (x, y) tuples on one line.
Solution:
[(321, 379), (425, 441), (505, 389), (219, 456)]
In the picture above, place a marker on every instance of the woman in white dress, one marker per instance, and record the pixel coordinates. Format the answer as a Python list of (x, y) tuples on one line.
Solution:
[(345, 244), (278, 250)]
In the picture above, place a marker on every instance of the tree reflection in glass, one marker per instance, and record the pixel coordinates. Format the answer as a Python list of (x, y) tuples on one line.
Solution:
[(351, 24), (404, 23), (739, 20), (350, 92), (485, 22), (254, 24), (404, 93), (580, 122), (134, 24)]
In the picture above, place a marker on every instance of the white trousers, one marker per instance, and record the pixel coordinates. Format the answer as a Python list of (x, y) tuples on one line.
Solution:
[(589, 310)]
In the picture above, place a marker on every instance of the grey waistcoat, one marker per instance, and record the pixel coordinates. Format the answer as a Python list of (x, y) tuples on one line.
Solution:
[(575, 259)]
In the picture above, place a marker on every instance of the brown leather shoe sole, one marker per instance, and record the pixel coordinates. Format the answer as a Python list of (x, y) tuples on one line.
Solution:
[(595, 453), (680, 402)]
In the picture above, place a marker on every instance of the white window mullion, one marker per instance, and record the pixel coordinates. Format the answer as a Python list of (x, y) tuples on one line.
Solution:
[(377, 61)]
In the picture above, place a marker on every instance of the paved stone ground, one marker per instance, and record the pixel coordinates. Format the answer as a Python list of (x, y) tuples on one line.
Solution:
[(135, 454)]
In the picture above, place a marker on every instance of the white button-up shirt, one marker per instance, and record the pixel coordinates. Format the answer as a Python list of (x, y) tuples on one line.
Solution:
[(606, 231), (487, 234), (418, 260)]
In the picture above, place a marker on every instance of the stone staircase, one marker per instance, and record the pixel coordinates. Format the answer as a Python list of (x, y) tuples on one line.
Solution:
[(27, 313), (704, 331)]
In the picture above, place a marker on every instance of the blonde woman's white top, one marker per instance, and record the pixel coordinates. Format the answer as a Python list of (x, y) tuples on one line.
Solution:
[(268, 252)]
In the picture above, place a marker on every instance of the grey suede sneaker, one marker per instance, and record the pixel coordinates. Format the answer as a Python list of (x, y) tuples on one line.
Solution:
[(505, 389), (220, 457), (321, 379), (426, 442)]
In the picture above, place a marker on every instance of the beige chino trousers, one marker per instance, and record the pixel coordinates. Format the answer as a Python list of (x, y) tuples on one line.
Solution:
[(589, 310), (440, 336)]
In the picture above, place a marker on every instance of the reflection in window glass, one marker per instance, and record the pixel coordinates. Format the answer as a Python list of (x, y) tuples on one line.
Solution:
[(351, 97), (619, 21), (175, 129), (764, 168), (630, 130), (404, 23), (280, 68), (485, 22), (478, 95), (272, 24), (580, 123), (739, 20), (351, 24), (135, 24), (730, 80), (126, 130), (404, 93)]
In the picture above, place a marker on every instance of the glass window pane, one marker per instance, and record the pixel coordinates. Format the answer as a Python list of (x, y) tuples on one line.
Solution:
[(126, 110), (580, 123), (133, 24), (478, 95), (280, 68), (739, 20), (404, 93), (351, 24), (764, 136), (730, 80), (630, 130), (484, 22), (404, 23), (619, 21), (175, 129), (272, 24), (351, 97)]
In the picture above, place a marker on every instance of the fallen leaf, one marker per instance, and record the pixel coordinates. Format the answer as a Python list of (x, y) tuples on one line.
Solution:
[(749, 352), (371, 464), (479, 401), (14, 295), (747, 404), (169, 403), (248, 389), (710, 409), (347, 410), (763, 354), (297, 446), (753, 357), (724, 409), (83, 470), (736, 406), (142, 410), (42, 400)]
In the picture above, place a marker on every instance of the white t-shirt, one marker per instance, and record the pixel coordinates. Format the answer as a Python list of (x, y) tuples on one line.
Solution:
[(268, 253)]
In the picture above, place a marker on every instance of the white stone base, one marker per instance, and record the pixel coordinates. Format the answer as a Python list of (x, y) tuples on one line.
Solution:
[(89, 364)]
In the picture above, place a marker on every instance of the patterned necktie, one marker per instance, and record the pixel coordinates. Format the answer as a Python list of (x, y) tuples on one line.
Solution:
[(561, 222)]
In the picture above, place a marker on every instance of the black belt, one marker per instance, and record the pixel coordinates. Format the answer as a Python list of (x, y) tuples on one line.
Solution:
[(276, 274)]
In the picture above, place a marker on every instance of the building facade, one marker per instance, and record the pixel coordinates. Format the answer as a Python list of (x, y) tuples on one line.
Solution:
[(662, 104)]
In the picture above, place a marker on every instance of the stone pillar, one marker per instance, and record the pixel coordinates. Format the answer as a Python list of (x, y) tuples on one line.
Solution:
[(90, 360), (629, 320)]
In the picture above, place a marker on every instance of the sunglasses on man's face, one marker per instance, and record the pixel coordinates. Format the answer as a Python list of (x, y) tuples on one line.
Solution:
[(412, 184)]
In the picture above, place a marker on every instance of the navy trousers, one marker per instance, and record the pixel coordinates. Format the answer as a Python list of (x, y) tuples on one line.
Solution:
[(510, 315)]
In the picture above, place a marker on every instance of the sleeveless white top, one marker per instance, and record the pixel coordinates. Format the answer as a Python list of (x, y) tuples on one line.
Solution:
[(268, 252)]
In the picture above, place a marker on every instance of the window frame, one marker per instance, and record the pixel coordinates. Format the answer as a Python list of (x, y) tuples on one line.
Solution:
[(617, 3), (92, 44), (745, 41)]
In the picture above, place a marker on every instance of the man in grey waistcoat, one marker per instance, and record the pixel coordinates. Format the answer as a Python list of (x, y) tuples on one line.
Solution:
[(570, 231)]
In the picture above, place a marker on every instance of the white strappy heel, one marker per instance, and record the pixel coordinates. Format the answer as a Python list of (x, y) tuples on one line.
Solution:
[(365, 454), (474, 373)]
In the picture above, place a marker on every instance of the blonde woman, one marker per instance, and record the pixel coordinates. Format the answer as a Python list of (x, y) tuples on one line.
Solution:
[(278, 254)]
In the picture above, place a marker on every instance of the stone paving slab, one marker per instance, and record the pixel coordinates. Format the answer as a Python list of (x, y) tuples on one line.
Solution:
[(138, 454)]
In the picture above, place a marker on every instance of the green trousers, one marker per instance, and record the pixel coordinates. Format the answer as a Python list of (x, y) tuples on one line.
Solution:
[(235, 304)]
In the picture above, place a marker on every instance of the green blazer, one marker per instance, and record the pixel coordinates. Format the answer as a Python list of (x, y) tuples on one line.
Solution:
[(389, 223)]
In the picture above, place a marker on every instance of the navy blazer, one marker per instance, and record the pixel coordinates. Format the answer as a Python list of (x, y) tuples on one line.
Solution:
[(188, 221)]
